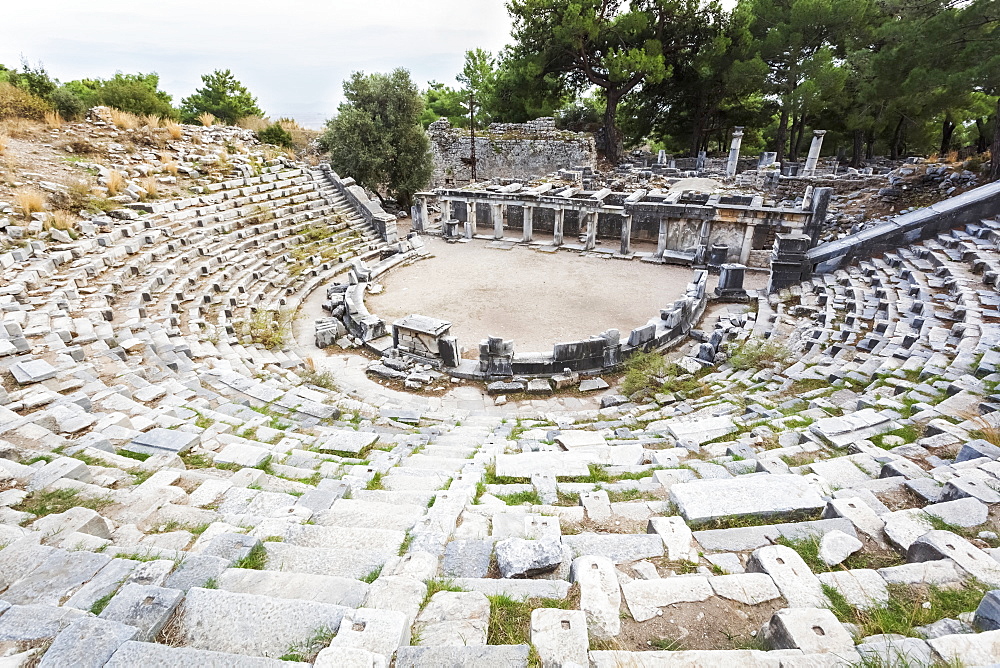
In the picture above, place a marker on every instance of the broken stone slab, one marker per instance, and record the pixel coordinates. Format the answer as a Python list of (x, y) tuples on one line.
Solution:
[(971, 649), (895, 651), (145, 607), (502, 387), (964, 486), (697, 431), (560, 636), (32, 371), (746, 588), (349, 657), (742, 539), (107, 581), (967, 512), (759, 494), (88, 642), (939, 572), (902, 527), (377, 631), (862, 588), (32, 625), (572, 439), (498, 656), (517, 557), (454, 618), (341, 562), (744, 658), (342, 440), (676, 536), (619, 548), (645, 597), (835, 546), (812, 630), (850, 428), (57, 526), (859, 514), (791, 575), (56, 579), (935, 545), (158, 441), (360, 513), (527, 464), (250, 624), (593, 384), (150, 654), (600, 594), (597, 505), (242, 454), (988, 612), (196, 570)]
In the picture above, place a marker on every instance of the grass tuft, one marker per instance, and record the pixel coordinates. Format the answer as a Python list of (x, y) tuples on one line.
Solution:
[(255, 560), (48, 502)]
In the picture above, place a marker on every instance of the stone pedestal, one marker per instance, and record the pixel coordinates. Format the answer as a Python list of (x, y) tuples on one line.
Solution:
[(418, 212), (788, 261), (731, 281), (495, 357), (717, 255), (699, 163)]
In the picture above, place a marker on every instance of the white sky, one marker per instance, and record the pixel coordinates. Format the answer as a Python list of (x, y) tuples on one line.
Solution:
[(293, 55)]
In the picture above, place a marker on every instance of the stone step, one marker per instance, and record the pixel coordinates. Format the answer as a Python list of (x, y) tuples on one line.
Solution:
[(396, 516), (334, 590)]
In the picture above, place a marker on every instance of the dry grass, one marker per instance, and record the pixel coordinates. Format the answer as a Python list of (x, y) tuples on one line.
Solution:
[(255, 123), (952, 156), (18, 128), (4, 139), (174, 130), (78, 192), (169, 164), (206, 119), (29, 201), (151, 186), (152, 121), (115, 183), (60, 220), (53, 119), (125, 121)]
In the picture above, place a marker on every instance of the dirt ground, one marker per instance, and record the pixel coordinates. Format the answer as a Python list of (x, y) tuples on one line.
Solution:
[(535, 298)]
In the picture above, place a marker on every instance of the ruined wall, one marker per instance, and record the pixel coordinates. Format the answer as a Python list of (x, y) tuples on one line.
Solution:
[(507, 151)]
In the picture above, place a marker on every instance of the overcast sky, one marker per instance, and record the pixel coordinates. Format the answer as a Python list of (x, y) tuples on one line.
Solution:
[(293, 55)]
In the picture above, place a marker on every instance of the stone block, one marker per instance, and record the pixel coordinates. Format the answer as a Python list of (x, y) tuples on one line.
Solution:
[(396, 592), (196, 570), (231, 546), (895, 651), (935, 545), (939, 572), (862, 588), (791, 575), (972, 649), (481, 656), (159, 441), (87, 642), (467, 558), (646, 597), (519, 589), (454, 619), (241, 454), (32, 371), (56, 578), (319, 588), (746, 588), (676, 536), (835, 546), (600, 594), (762, 495), (560, 637), (155, 655), (250, 624), (518, 557), (988, 613), (619, 548), (31, 625), (812, 630), (966, 512), (377, 631), (145, 607)]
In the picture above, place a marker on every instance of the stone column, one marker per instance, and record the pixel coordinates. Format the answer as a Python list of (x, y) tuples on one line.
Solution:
[(496, 213), (419, 214), (557, 231), (734, 151), (445, 210), (470, 219), (528, 212), (817, 146), (747, 244), (661, 238), (626, 234), (591, 241)]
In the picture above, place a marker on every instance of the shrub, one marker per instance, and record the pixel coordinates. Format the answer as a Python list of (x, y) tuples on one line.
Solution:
[(277, 135), (206, 119), (18, 103), (67, 103), (53, 119), (151, 186), (268, 328), (641, 369), (255, 123), (125, 120), (29, 201), (60, 220), (755, 353)]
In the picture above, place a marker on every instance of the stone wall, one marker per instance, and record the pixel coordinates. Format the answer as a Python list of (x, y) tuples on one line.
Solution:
[(506, 150), (969, 207)]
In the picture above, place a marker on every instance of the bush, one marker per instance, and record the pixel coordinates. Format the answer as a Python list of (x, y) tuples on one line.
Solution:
[(277, 135), (641, 369), (68, 104), (137, 94), (17, 103), (756, 353)]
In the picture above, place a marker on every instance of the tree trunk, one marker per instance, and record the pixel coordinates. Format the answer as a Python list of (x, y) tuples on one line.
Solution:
[(612, 138), (947, 131), (859, 137), (782, 134), (696, 134), (896, 136), (870, 144), (995, 149), (981, 143), (797, 135)]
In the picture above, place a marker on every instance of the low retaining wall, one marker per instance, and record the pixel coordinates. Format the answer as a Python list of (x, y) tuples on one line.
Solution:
[(383, 223), (969, 207)]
